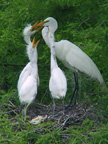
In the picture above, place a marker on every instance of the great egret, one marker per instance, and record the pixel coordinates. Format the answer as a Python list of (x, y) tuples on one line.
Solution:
[(71, 56), (29, 79), (58, 82)]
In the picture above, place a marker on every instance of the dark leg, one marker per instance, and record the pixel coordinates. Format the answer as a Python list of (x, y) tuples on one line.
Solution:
[(76, 89), (20, 108), (53, 106), (63, 105), (74, 95)]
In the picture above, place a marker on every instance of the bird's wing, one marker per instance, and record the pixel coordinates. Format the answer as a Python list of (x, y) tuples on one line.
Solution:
[(38, 80), (74, 58), (83, 63), (58, 83), (28, 90), (24, 74)]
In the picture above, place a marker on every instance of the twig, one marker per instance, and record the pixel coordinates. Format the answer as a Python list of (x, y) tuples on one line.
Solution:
[(84, 21), (94, 29), (9, 64), (12, 104)]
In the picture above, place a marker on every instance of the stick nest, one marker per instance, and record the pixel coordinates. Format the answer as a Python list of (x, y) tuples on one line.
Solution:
[(72, 115)]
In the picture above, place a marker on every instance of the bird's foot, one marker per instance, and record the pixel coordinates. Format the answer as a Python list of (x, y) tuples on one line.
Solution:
[(67, 106)]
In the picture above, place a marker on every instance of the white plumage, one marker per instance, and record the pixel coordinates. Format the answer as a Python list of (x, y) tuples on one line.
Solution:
[(27, 84), (27, 33), (71, 55), (75, 59), (58, 82), (29, 79)]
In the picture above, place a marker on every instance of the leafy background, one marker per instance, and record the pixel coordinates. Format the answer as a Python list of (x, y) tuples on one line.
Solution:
[(85, 23)]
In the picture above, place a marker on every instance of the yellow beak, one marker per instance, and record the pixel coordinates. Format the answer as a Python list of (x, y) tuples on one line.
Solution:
[(41, 23), (37, 24), (35, 45)]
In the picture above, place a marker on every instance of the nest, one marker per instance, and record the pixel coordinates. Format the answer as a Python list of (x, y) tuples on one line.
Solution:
[(72, 115)]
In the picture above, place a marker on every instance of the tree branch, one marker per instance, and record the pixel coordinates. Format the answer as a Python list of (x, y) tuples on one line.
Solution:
[(9, 64)]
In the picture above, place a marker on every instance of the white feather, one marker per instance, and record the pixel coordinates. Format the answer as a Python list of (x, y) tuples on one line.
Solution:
[(32, 53), (27, 33), (57, 84), (28, 90), (28, 83), (75, 59)]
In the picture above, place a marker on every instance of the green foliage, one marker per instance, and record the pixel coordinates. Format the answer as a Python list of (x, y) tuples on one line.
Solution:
[(11, 95), (16, 131), (88, 133)]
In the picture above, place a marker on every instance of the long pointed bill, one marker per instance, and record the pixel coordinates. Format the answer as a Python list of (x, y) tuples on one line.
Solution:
[(41, 23), (33, 41), (39, 28), (35, 25), (37, 43)]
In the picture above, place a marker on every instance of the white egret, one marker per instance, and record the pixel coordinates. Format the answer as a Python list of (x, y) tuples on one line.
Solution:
[(58, 82), (29, 79), (71, 56)]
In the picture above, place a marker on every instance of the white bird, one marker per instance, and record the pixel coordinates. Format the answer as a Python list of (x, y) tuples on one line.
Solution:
[(58, 82), (71, 56), (29, 79)]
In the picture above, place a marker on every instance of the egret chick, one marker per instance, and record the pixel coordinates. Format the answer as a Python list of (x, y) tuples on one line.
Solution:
[(58, 82), (28, 79)]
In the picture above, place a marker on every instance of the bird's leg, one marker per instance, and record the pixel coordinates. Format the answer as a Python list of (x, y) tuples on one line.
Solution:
[(25, 111), (53, 106), (75, 91), (63, 105), (20, 108)]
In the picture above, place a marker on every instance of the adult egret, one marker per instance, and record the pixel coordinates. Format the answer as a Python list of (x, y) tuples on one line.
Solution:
[(58, 82), (71, 56), (29, 79)]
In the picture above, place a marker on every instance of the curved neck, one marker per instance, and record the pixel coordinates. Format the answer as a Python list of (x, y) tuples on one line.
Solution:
[(32, 53), (34, 69), (27, 39), (53, 59)]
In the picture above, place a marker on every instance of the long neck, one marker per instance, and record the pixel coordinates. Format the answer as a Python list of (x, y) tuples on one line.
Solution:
[(34, 71), (27, 39), (33, 59), (32, 53), (53, 59), (52, 48), (34, 56)]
